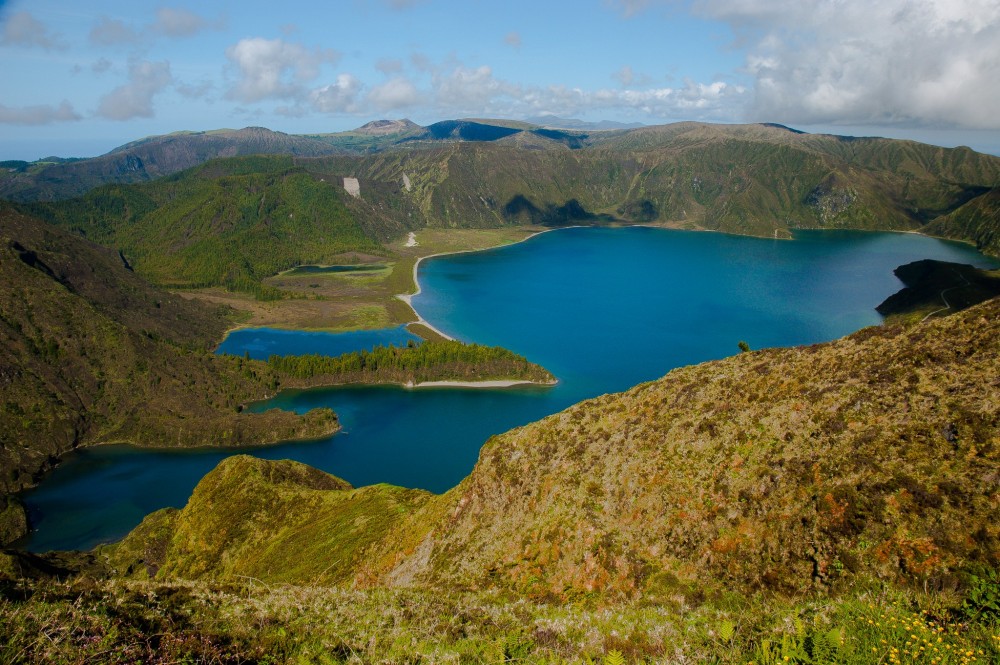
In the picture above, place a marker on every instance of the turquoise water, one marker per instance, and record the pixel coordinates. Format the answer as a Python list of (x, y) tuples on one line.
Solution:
[(603, 309)]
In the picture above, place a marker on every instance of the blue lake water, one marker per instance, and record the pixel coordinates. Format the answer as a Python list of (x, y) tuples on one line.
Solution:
[(261, 343), (603, 309)]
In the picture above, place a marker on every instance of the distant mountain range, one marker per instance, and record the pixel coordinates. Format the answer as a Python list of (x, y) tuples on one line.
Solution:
[(555, 122), (147, 159)]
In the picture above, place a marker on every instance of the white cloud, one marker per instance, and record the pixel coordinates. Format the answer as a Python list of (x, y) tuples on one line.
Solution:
[(422, 62), (180, 22), (917, 62), (471, 89), (109, 31), (135, 98), (273, 68), (396, 93), (23, 29), (337, 97), (38, 115)]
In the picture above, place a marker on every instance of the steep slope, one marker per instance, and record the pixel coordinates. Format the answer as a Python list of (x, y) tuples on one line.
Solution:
[(750, 179), (229, 222), (977, 221), (787, 469), (150, 158), (235, 222), (91, 353)]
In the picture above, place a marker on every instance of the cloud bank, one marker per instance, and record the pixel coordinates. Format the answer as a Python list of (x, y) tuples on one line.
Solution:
[(903, 62), (135, 98), (274, 68), (38, 115)]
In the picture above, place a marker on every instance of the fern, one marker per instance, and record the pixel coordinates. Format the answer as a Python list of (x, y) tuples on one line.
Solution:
[(726, 630), (614, 657)]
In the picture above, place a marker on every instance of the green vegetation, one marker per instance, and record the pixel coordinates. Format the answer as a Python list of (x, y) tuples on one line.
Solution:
[(244, 621), (228, 224), (938, 288), (830, 503), (152, 157), (416, 363), (13, 520), (823, 504), (90, 353), (796, 471), (235, 222)]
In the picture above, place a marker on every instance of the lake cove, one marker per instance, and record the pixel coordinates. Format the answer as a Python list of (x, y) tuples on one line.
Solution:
[(261, 343), (603, 309)]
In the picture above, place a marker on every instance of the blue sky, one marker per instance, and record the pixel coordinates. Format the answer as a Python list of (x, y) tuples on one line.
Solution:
[(82, 78)]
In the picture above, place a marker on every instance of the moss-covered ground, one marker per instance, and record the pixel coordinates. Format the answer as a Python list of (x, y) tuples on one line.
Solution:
[(345, 301), (249, 622)]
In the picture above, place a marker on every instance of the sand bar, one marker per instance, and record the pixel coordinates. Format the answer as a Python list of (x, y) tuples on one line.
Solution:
[(476, 384)]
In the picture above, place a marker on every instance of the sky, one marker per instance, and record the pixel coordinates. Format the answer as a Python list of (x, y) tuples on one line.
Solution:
[(80, 78)]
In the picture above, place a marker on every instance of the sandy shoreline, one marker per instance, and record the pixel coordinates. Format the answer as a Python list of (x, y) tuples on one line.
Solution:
[(474, 384)]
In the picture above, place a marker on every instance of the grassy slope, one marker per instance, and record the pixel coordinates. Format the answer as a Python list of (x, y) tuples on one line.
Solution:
[(231, 222), (744, 179), (91, 353), (675, 517), (274, 509), (978, 222), (788, 469), (249, 622)]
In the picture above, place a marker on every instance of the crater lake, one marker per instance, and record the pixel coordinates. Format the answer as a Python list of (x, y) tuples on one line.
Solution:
[(601, 308)]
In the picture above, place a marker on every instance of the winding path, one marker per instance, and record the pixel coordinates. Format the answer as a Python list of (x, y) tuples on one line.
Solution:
[(947, 306)]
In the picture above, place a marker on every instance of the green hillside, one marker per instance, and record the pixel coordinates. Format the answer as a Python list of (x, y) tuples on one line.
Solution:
[(825, 504), (146, 159), (441, 360), (750, 179), (796, 470), (978, 221), (229, 223), (91, 353), (235, 222)]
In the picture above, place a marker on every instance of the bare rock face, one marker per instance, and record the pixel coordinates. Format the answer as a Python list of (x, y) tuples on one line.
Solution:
[(352, 187)]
